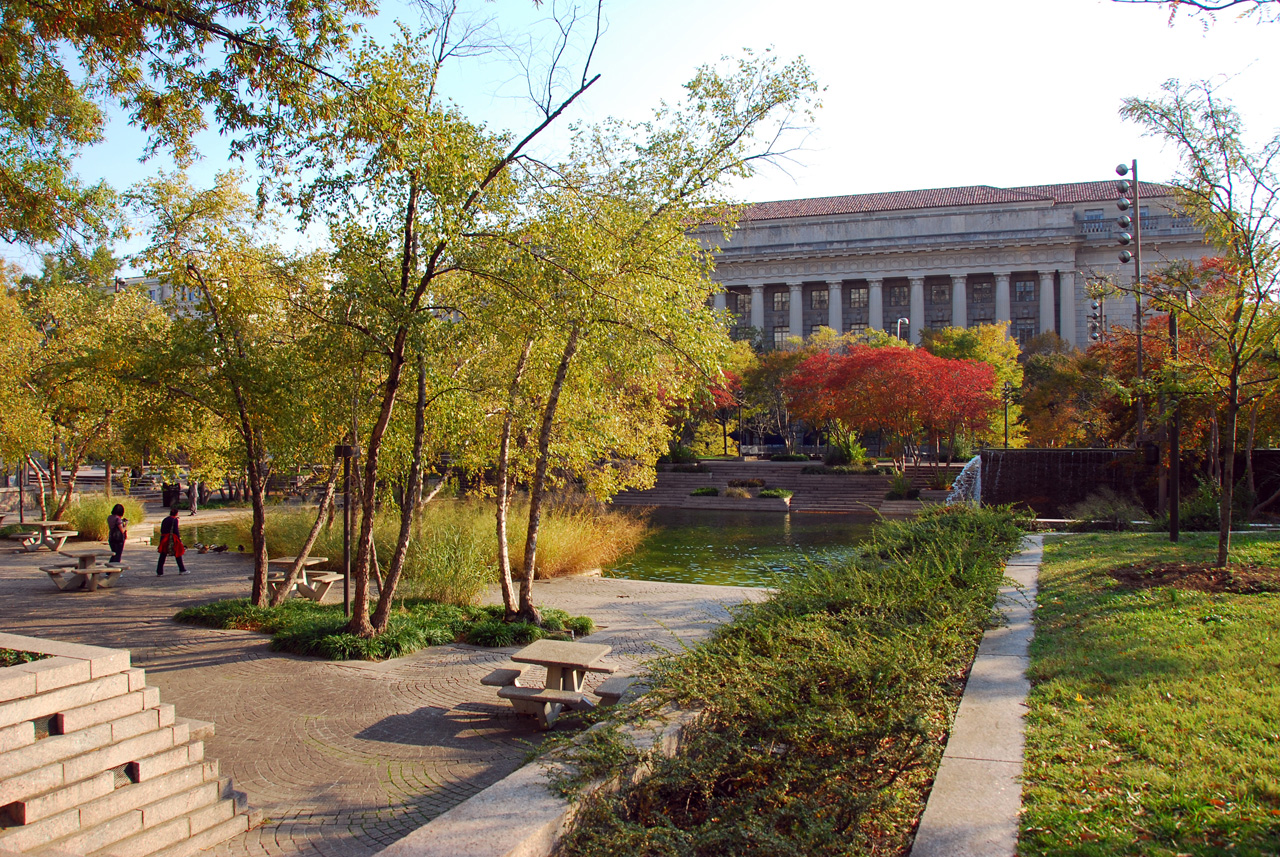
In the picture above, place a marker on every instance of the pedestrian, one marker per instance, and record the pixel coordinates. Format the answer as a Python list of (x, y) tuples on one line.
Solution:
[(193, 490), (171, 542), (117, 531)]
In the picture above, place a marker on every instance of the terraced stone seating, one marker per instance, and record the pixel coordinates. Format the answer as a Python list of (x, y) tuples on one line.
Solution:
[(93, 764)]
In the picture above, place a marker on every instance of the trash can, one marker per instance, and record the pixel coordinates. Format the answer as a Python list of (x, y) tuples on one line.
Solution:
[(170, 494)]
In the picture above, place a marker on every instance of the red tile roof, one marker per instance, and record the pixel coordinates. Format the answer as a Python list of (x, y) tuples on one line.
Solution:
[(1103, 191)]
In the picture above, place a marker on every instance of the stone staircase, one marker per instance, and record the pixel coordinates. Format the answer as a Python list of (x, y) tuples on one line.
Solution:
[(811, 492), (93, 764)]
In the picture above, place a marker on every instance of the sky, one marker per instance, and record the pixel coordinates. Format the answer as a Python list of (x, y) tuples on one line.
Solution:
[(926, 94)]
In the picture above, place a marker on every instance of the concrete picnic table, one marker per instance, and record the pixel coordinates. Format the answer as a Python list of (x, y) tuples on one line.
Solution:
[(86, 572), (311, 584), (566, 663), (50, 534)]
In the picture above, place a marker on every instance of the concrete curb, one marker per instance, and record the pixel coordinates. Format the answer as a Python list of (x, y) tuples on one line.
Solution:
[(976, 799)]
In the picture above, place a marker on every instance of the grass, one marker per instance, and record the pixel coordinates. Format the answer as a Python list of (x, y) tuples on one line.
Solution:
[(1153, 723), (824, 709), (13, 657), (776, 493), (88, 514), (453, 547), (306, 628)]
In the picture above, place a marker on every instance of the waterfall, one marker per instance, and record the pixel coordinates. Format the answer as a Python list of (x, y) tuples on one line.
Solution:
[(968, 485)]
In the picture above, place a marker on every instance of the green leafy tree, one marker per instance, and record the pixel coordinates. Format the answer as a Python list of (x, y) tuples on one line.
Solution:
[(1229, 303), (253, 67)]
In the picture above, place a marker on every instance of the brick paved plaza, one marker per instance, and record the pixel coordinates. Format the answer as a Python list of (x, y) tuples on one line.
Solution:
[(338, 758)]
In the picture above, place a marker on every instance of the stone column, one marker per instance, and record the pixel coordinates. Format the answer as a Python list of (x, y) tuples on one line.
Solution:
[(959, 302), (1046, 301), (875, 303), (718, 301), (835, 306), (917, 309), (795, 325), (1067, 302), (1002, 299), (757, 307)]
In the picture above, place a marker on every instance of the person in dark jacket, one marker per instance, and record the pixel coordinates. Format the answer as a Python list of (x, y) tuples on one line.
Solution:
[(171, 542), (117, 531)]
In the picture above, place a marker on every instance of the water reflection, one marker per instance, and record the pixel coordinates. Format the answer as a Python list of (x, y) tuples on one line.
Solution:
[(739, 548)]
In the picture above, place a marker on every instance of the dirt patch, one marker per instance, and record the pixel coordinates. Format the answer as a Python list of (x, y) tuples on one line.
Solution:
[(1200, 577)]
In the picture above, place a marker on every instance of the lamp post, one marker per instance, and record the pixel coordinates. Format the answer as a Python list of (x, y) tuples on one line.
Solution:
[(1130, 197), (1006, 395), (901, 322), (346, 452)]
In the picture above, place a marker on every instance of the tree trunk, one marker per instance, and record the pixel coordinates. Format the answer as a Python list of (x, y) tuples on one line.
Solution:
[(504, 487), (107, 482), (296, 571), (408, 506), (527, 611)]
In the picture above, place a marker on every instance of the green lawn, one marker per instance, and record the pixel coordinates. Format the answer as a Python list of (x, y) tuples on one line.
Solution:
[(1154, 719)]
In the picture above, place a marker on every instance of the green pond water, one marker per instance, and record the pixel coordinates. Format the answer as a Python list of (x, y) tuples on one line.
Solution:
[(739, 548), (222, 533)]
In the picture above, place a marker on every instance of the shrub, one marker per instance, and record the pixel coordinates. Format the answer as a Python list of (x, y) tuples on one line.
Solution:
[(788, 456), (738, 493), (845, 451), (705, 491), (779, 493), (900, 488), (88, 514), (746, 483), (1105, 509), (679, 454)]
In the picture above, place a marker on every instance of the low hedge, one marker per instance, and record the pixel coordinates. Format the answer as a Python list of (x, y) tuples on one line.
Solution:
[(705, 491), (775, 493), (746, 483), (824, 709)]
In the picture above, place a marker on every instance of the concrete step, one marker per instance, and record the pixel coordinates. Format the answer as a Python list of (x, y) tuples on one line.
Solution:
[(39, 705)]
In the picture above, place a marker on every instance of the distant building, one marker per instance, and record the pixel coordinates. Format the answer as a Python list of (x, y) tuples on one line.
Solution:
[(181, 299), (944, 257)]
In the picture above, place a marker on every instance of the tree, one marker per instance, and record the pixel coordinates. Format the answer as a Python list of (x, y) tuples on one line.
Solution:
[(1231, 191), (64, 64), (1263, 10), (237, 356)]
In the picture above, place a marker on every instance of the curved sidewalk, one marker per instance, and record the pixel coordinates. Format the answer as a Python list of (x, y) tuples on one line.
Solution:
[(339, 758)]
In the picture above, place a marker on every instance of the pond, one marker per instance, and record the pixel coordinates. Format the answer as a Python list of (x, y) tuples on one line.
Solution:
[(216, 533), (739, 548)]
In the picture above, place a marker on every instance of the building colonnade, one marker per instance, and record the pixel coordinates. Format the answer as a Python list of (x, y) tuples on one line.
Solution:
[(1030, 301)]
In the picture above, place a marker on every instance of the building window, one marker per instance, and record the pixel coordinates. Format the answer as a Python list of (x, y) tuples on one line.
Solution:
[(858, 327), (1024, 291), (818, 298), (814, 328), (858, 297), (742, 304), (977, 320), (982, 292), (1023, 330), (780, 334), (897, 296), (939, 294), (781, 300)]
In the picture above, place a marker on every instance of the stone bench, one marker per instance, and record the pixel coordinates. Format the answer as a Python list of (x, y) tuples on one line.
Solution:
[(611, 690), (68, 577), (504, 677), (317, 584), (544, 703)]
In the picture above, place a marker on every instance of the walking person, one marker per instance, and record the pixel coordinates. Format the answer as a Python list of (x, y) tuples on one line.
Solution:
[(117, 531), (171, 542)]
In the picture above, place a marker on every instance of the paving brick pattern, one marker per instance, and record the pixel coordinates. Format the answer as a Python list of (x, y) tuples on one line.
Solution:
[(339, 758)]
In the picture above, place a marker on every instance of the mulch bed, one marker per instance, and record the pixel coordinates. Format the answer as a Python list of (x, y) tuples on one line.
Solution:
[(1200, 577)]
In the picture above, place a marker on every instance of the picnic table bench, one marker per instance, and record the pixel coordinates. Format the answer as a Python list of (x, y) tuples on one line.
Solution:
[(311, 584), (48, 534), (85, 572), (566, 664)]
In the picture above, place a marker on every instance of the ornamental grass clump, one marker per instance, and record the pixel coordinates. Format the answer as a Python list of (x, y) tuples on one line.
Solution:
[(88, 515), (824, 710)]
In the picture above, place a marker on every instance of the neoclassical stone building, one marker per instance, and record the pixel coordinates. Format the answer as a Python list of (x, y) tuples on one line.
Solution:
[(945, 257)]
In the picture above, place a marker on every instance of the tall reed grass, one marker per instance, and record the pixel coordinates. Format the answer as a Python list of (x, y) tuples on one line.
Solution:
[(88, 514), (453, 547)]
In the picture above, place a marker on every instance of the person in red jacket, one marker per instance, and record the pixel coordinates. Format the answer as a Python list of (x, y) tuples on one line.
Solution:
[(171, 542)]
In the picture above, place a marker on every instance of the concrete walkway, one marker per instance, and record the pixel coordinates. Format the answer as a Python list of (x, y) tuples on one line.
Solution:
[(340, 758), (976, 799)]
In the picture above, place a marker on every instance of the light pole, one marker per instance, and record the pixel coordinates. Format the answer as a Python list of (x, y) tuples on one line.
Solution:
[(1006, 394), (1128, 190), (901, 322)]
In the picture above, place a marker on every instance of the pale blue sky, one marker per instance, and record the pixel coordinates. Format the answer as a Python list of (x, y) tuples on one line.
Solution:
[(933, 93)]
